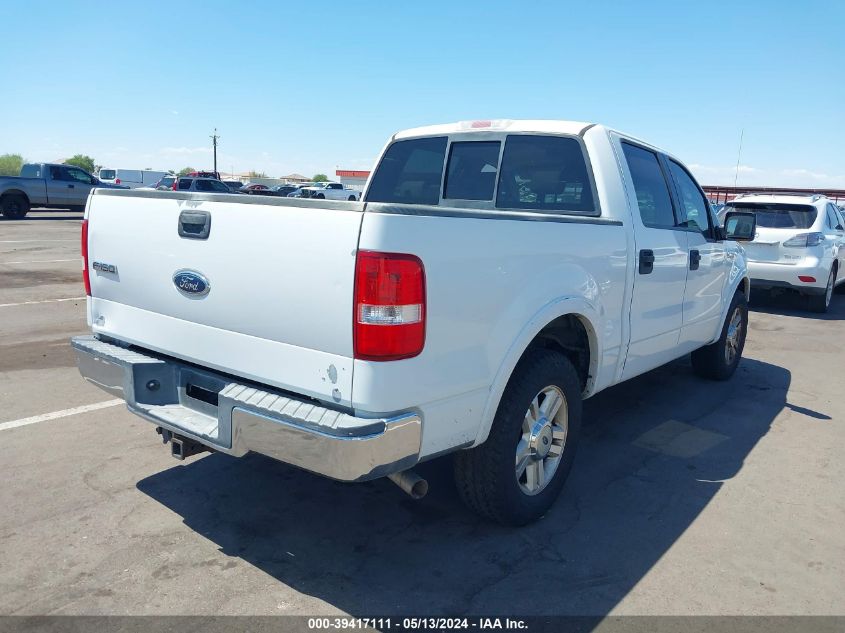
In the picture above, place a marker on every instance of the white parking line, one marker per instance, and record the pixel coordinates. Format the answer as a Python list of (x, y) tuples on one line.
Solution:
[(22, 241), (31, 303), (5, 426), (43, 261)]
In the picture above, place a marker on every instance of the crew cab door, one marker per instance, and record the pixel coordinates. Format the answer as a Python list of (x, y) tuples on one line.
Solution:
[(660, 261), (68, 185), (707, 264)]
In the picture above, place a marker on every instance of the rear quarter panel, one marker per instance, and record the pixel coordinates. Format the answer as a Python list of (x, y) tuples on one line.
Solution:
[(492, 284)]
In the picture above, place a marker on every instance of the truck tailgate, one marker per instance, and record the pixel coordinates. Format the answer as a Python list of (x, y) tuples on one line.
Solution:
[(280, 277)]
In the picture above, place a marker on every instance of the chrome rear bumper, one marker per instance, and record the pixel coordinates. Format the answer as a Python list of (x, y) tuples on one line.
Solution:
[(235, 418)]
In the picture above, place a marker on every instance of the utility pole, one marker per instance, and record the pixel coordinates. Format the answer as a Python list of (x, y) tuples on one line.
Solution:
[(214, 138)]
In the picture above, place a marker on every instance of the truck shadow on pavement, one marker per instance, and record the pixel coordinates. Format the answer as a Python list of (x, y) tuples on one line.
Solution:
[(654, 452)]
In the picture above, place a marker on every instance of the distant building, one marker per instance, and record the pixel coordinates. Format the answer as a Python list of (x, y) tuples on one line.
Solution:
[(295, 179), (352, 178)]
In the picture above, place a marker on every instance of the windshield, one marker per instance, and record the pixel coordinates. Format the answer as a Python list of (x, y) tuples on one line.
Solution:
[(778, 216), (107, 174)]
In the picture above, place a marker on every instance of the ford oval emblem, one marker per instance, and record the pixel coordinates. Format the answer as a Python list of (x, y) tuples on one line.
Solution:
[(191, 283)]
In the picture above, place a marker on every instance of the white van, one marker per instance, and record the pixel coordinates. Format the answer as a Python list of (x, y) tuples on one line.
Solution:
[(132, 178)]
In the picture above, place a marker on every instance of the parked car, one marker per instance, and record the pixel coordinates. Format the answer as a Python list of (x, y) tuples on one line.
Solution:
[(205, 174), (163, 184), (283, 190), (330, 191), (799, 244), (234, 185), (47, 185), (254, 187), (469, 314), (210, 185), (132, 178), (297, 192)]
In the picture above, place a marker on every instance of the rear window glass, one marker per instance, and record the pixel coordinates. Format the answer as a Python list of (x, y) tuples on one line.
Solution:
[(544, 173), (410, 172), (471, 174), (778, 216), (107, 174)]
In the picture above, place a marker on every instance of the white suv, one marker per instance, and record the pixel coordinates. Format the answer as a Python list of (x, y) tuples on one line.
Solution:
[(799, 244)]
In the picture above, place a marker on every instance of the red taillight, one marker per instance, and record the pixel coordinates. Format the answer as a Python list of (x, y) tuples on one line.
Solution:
[(117, 181), (807, 279), (389, 319), (85, 277), (175, 182)]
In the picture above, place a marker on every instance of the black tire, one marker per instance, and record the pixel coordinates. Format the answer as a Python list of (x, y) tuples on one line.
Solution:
[(351, 198), (78, 209), (821, 303), (320, 196), (14, 207), (486, 476), (712, 361)]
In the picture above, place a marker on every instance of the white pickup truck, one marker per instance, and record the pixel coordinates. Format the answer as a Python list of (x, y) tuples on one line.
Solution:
[(330, 191), (496, 273)]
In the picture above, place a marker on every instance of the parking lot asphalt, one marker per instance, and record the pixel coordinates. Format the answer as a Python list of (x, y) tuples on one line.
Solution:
[(687, 497)]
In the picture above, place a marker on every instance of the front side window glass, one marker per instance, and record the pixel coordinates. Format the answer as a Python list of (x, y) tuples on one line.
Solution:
[(652, 191), (410, 172), (78, 175), (544, 173), (472, 170), (695, 210)]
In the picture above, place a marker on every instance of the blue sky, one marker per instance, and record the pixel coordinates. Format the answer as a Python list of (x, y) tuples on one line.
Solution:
[(143, 84)]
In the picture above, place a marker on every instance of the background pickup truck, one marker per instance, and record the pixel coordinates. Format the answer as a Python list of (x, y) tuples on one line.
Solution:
[(497, 273), (330, 191), (47, 185)]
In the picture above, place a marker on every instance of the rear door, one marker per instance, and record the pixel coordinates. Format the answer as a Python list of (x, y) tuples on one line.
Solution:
[(834, 233), (707, 264), (660, 262)]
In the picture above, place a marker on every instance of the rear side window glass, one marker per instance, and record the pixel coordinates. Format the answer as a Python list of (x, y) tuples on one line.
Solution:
[(410, 172), (650, 186), (107, 174), (544, 173), (184, 183), (779, 216), (31, 171), (695, 210), (472, 170)]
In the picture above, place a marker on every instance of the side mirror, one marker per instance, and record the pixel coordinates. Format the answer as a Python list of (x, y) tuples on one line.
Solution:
[(740, 226)]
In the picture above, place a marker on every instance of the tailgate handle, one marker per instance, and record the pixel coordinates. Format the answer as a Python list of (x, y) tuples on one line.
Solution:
[(195, 225)]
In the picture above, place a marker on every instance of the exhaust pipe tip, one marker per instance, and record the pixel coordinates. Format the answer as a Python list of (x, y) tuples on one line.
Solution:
[(411, 483)]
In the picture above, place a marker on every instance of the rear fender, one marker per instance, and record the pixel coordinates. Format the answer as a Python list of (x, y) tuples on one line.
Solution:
[(577, 306)]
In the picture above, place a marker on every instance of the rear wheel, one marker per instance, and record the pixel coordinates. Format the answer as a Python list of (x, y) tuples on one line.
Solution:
[(14, 207), (351, 198), (320, 196), (515, 476), (719, 360), (821, 303)]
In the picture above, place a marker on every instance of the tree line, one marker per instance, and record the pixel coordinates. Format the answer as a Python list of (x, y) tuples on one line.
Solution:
[(10, 165)]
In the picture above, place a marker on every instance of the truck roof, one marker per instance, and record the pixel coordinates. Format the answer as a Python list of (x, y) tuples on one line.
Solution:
[(497, 125)]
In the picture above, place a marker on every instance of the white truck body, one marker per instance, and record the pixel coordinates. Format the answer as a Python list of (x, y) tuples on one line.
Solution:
[(274, 286)]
